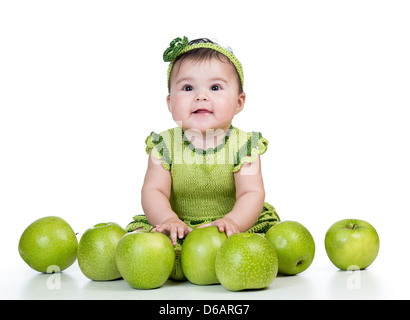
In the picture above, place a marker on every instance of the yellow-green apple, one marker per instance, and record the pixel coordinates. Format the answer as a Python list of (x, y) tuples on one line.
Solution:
[(246, 261), (48, 245), (145, 259), (294, 246), (96, 251), (198, 254), (352, 243)]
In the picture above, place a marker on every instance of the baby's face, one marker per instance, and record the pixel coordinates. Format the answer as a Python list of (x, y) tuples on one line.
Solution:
[(204, 95)]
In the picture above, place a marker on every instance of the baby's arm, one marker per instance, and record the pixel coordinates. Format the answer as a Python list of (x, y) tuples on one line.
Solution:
[(155, 201), (250, 197)]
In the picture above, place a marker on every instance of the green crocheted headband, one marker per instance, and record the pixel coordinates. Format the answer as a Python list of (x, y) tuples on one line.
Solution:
[(179, 46)]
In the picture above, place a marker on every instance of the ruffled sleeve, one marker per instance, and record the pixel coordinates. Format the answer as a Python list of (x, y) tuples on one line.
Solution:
[(255, 146), (156, 143)]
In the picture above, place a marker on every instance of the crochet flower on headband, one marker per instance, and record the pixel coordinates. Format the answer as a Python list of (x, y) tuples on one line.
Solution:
[(175, 48), (179, 46)]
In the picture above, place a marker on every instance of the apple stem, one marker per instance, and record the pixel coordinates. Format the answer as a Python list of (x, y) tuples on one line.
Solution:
[(351, 227)]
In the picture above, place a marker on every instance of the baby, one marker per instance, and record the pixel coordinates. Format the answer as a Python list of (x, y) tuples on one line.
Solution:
[(205, 172)]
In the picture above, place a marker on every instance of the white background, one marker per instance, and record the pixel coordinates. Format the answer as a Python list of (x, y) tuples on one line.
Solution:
[(82, 83)]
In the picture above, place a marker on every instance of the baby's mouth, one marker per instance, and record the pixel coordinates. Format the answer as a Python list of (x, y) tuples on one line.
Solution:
[(202, 111)]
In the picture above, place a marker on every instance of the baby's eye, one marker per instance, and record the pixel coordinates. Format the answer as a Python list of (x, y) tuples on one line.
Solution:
[(215, 87), (188, 88)]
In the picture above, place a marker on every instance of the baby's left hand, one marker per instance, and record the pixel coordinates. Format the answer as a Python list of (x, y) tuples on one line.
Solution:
[(225, 224)]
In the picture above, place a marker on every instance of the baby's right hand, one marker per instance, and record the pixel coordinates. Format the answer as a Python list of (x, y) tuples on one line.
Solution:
[(174, 227)]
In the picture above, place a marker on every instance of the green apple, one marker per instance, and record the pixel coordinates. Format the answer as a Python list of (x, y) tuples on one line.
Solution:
[(48, 245), (145, 259), (198, 254), (294, 246), (96, 251), (352, 243), (246, 261)]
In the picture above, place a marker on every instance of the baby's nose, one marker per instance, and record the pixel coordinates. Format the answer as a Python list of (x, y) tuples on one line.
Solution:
[(201, 97)]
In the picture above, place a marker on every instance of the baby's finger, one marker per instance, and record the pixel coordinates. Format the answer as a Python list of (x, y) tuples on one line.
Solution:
[(220, 225), (228, 231), (173, 234), (204, 225), (222, 228), (181, 232)]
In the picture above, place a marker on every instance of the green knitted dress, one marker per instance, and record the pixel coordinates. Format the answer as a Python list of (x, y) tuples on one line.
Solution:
[(203, 185)]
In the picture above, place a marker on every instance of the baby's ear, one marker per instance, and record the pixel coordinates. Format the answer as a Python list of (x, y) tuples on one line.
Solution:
[(241, 102), (169, 103)]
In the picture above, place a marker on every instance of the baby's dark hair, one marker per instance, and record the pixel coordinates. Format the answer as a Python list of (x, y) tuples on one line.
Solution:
[(201, 54)]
